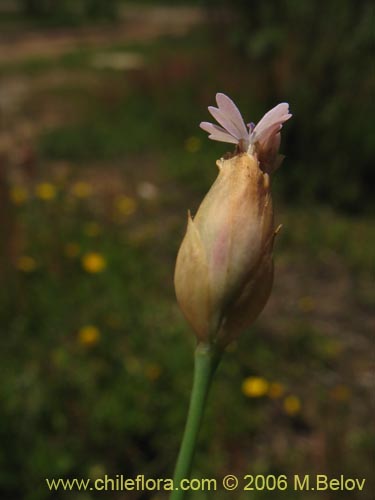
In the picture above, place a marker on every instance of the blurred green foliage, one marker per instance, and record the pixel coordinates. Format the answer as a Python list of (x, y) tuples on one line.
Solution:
[(83, 251), (318, 57), (285, 51), (69, 12), (74, 405)]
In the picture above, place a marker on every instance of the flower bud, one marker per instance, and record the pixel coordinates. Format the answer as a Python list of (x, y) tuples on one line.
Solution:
[(224, 268)]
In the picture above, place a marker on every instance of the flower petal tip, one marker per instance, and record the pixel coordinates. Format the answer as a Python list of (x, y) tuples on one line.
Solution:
[(232, 127)]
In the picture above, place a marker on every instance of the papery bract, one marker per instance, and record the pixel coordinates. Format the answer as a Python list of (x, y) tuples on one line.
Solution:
[(224, 266)]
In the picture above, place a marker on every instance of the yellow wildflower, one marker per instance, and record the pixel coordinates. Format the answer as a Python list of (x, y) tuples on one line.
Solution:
[(82, 189), (26, 264), (88, 335), (292, 405), (126, 205), (275, 390), (193, 144), (18, 195), (71, 250), (92, 229), (93, 262), (255, 387), (45, 191)]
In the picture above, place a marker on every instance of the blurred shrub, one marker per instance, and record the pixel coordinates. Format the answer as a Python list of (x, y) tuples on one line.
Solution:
[(317, 56), (70, 11)]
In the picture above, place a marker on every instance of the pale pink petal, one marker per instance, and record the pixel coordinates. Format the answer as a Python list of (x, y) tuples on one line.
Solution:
[(217, 133), (271, 123), (273, 115), (264, 137), (266, 134), (225, 122), (211, 127), (232, 113)]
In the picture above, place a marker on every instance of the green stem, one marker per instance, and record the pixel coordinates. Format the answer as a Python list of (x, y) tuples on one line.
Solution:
[(206, 361)]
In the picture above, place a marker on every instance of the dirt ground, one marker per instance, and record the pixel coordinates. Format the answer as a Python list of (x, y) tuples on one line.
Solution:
[(136, 24)]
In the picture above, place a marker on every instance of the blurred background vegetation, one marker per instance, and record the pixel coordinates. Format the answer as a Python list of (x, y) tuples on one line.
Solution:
[(100, 157)]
